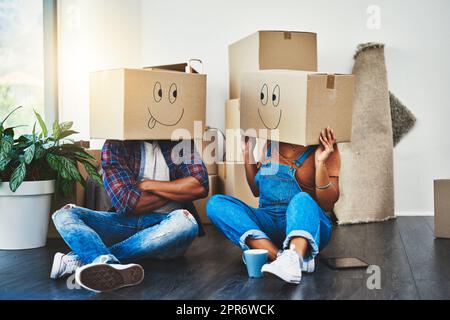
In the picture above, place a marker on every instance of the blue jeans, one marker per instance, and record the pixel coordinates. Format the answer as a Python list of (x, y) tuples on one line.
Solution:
[(301, 218), (94, 235)]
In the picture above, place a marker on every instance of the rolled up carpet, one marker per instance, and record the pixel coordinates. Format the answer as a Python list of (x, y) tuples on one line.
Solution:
[(366, 179)]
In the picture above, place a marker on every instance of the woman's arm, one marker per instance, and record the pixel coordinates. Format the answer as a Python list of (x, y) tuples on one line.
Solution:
[(327, 188), (251, 167), (326, 198)]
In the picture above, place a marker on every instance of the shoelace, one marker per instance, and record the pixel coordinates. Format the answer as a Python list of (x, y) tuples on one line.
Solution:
[(72, 264), (288, 256)]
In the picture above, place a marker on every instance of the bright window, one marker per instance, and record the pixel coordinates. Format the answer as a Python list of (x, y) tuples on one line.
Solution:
[(21, 60)]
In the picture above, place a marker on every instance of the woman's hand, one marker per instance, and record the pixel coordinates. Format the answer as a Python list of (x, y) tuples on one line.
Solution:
[(248, 145), (326, 147)]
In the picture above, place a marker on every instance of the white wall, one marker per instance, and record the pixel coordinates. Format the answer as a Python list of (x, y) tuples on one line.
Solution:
[(93, 35), (417, 54)]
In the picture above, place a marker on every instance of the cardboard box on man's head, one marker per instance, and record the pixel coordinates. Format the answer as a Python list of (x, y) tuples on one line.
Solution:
[(290, 50), (295, 106), (146, 104)]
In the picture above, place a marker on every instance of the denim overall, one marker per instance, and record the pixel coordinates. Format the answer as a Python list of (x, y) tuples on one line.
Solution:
[(277, 183), (284, 211)]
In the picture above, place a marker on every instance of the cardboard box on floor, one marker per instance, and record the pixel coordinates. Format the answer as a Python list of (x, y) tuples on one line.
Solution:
[(233, 182), (200, 204), (263, 50), (78, 198), (442, 208), (295, 106), (150, 103)]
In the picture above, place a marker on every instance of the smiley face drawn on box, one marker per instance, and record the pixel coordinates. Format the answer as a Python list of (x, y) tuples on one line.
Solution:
[(270, 103), (270, 112), (294, 106), (157, 109), (145, 104)]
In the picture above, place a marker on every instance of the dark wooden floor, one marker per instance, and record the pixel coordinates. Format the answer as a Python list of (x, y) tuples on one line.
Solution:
[(413, 266)]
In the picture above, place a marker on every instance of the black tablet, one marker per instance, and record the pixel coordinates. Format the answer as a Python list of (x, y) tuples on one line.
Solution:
[(345, 263)]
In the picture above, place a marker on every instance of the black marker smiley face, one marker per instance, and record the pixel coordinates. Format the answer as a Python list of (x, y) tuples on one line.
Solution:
[(269, 113), (159, 112)]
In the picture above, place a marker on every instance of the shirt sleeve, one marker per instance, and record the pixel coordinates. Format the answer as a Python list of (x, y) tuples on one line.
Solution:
[(194, 167), (118, 178)]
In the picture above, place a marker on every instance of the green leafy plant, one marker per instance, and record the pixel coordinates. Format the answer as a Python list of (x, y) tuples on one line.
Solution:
[(43, 155)]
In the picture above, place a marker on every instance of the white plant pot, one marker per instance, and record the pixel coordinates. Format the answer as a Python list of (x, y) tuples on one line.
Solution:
[(24, 214)]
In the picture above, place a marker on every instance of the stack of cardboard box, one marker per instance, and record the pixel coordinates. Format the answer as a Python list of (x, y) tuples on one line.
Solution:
[(276, 93)]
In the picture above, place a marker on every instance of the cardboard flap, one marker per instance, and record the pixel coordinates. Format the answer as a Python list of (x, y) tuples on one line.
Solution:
[(186, 67), (286, 31), (179, 67)]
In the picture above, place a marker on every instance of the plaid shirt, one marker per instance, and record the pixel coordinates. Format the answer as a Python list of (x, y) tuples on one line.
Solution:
[(121, 164)]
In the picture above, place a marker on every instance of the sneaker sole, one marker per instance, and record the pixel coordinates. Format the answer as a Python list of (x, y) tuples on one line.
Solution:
[(55, 266), (281, 275), (104, 278)]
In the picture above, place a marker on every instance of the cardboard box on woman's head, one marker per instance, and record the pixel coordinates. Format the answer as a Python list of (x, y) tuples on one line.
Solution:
[(295, 106), (146, 104)]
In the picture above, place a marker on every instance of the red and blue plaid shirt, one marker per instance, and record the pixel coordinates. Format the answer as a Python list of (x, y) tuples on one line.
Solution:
[(121, 164)]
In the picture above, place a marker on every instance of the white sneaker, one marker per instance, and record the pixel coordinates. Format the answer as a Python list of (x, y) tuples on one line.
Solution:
[(309, 266), (286, 267), (103, 277), (64, 265)]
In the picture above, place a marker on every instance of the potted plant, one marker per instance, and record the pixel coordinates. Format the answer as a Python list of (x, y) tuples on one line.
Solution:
[(32, 167)]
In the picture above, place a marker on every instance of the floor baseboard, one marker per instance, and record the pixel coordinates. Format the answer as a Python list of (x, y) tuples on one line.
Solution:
[(414, 213)]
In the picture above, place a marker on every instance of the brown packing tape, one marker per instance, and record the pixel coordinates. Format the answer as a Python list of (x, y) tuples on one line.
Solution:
[(287, 35), (331, 79)]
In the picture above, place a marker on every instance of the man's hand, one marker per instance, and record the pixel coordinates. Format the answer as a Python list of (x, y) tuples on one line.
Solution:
[(248, 144)]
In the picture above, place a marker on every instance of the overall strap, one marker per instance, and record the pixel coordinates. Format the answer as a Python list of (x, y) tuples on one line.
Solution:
[(269, 151), (305, 155)]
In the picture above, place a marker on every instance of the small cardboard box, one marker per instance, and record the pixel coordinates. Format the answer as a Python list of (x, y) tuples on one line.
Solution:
[(295, 106), (263, 50), (442, 208), (151, 103), (233, 182), (200, 204), (78, 198)]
